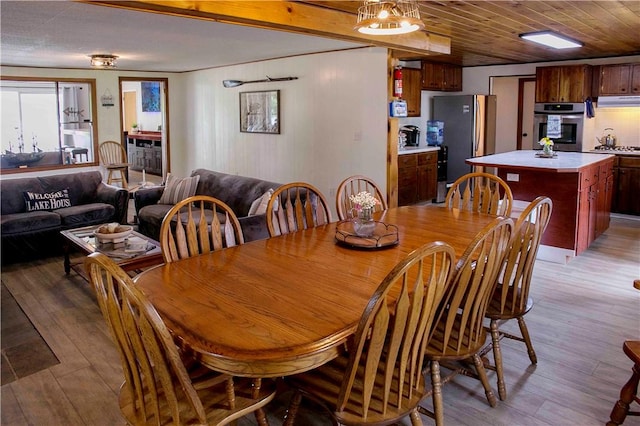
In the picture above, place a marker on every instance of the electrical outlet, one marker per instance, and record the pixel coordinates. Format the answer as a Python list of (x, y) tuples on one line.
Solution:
[(513, 177)]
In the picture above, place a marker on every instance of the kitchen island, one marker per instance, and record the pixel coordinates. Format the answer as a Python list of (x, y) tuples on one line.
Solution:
[(579, 184)]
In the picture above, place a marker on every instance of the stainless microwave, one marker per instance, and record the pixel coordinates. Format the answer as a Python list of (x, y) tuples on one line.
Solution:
[(571, 117)]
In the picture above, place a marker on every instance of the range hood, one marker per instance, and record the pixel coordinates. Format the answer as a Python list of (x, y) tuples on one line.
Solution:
[(618, 101)]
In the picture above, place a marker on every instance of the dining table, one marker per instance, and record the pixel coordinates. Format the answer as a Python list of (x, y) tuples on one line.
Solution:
[(288, 304)]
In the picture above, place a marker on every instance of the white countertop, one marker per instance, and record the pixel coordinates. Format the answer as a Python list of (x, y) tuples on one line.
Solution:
[(417, 149), (603, 151), (565, 162)]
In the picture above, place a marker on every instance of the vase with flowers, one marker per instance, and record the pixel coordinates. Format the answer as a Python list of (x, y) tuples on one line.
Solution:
[(547, 146), (362, 212)]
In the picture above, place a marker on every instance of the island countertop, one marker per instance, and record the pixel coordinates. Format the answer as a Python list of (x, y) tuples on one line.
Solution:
[(565, 162), (417, 149)]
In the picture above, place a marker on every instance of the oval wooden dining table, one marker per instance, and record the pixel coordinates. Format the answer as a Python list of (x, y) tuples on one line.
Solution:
[(287, 304)]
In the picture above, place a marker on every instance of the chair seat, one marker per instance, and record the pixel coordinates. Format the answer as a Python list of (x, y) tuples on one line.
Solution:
[(510, 310), (117, 166), (436, 351), (323, 386), (632, 349), (214, 401)]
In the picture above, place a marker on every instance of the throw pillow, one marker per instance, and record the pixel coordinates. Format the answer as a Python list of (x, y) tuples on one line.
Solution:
[(259, 206), (177, 189), (36, 201)]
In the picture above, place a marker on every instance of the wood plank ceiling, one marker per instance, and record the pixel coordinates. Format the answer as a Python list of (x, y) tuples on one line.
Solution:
[(486, 32)]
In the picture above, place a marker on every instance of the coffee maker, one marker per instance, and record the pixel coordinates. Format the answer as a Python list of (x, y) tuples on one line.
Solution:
[(413, 135)]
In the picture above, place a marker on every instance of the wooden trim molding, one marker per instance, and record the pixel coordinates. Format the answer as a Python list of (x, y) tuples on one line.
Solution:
[(293, 16)]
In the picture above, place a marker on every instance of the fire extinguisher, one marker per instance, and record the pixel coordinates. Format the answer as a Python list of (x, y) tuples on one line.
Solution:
[(397, 82)]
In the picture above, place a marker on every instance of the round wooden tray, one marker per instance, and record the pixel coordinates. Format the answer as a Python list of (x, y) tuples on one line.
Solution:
[(384, 236)]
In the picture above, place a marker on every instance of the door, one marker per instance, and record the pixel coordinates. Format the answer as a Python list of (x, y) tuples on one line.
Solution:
[(527, 94), (130, 116), (144, 102)]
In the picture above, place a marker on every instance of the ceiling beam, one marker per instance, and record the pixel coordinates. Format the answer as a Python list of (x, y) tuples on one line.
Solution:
[(295, 17)]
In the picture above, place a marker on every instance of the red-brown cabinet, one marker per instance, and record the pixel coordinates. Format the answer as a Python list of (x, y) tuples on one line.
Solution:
[(617, 79)]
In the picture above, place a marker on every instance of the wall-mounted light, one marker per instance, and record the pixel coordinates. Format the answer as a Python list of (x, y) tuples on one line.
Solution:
[(103, 61), (551, 39), (379, 17)]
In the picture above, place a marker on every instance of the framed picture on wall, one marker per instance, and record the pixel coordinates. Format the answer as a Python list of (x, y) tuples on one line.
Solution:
[(150, 96), (260, 112)]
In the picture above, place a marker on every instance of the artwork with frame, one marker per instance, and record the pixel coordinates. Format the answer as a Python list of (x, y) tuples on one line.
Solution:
[(150, 96), (260, 112)]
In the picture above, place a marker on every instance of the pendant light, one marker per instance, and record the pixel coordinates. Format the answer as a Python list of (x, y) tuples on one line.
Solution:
[(379, 17)]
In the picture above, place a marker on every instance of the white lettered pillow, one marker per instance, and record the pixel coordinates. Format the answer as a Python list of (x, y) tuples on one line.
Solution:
[(177, 189)]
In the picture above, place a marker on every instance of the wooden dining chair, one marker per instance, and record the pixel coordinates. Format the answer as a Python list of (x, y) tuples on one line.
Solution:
[(629, 392), (196, 225), (352, 186), (159, 387), (458, 334), (296, 206), (480, 192), (114, 158), (379, 378), (511, 299)]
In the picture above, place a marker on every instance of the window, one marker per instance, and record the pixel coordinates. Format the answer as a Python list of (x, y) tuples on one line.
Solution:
[(47, 124)]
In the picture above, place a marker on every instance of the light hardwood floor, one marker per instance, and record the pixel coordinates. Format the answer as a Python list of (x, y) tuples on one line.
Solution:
[(583, 313)]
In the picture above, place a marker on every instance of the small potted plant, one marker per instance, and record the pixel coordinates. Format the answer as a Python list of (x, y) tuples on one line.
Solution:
[(547, 146), (134, 128)]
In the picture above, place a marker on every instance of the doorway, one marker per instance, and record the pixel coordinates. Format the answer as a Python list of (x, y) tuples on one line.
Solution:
[(514, 118), (144, 124)]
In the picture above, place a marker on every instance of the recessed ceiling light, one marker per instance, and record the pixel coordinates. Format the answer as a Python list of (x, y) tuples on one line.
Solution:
[(103, 61), (551, 39)]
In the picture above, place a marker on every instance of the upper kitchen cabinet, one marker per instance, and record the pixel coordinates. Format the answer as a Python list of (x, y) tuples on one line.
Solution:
[(617, 79), (452, 78), (411, 90), (443, 77), (570, 83)]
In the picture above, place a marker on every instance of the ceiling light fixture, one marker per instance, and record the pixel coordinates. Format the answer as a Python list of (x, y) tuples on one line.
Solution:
[(379, 17), (103, 61), (551, 39)]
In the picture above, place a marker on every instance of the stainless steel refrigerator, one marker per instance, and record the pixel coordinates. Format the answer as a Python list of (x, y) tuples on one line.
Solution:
[(469, 129)]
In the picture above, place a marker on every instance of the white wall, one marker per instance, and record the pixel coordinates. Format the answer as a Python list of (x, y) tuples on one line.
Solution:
[(333, 120)]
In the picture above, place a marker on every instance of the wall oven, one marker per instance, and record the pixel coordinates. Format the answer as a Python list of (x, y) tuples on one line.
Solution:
[(561, 122)]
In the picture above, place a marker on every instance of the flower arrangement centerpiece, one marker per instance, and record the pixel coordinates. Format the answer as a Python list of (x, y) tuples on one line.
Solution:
[(547, 146), (363, 204)]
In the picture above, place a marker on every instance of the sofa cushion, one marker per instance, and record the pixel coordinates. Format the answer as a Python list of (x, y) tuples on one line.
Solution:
[(177, 189), (150, 219), (259, 206), (28, 222), (46, 201), (85, 214)]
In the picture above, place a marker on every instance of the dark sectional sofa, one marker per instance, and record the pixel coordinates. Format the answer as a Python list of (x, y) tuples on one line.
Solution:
[(66, 201), (239, 192)]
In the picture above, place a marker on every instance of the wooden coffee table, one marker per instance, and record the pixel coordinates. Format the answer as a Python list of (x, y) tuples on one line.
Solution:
[(83, 239)]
